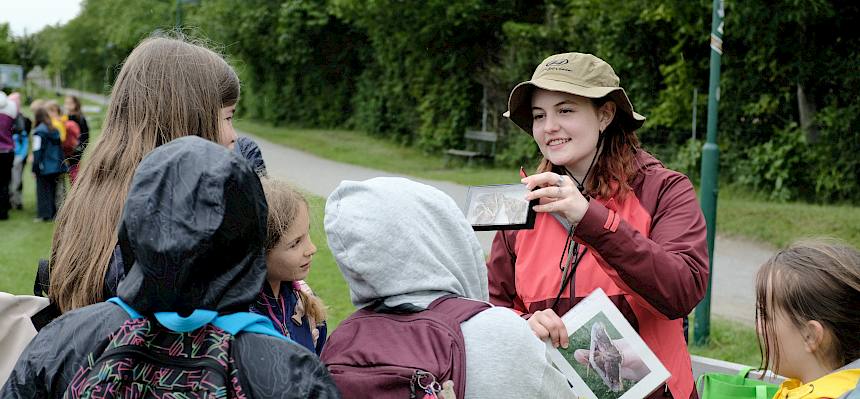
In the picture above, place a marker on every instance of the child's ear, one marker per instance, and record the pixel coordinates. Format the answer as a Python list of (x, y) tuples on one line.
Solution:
[(813, 336)]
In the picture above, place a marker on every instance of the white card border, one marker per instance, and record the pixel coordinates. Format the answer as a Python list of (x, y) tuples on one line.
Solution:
[(584, 311)]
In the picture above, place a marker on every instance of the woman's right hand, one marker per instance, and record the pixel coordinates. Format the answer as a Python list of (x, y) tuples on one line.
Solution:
[(557, 194), (547, 325)]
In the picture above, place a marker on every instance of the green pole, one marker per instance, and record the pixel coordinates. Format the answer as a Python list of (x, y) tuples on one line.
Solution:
[(178, 14), (710, 170)]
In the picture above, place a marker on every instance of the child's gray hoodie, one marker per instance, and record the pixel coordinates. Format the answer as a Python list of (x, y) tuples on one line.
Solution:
[(409, 243)]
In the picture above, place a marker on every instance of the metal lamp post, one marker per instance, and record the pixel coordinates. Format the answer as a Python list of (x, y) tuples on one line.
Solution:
[(710, 170)]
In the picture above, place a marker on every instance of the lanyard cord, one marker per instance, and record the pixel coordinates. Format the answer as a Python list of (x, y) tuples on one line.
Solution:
[(282, 325), (581, 184), (571, 249)]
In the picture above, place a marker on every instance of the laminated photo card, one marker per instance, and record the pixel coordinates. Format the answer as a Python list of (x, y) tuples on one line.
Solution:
[(499, 207), (606, 359)]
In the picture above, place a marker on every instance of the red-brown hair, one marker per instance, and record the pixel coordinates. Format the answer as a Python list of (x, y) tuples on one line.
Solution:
[(615, 166)]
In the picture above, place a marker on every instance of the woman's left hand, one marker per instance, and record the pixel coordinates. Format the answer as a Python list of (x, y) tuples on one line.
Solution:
[(557, 194)]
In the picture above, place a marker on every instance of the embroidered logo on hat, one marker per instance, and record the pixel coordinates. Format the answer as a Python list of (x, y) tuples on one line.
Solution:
[(574, 73)]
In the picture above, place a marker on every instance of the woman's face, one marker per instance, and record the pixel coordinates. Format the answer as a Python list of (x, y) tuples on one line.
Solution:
[(227, 134), (566, 127), (787, 339)]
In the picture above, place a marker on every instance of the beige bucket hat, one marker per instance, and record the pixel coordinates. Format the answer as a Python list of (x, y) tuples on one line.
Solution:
[(575, 73)]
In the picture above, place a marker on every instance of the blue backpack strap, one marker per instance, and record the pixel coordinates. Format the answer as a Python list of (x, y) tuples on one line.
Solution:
[(247, 322), (131, 312), (232, 323), (195, 320)]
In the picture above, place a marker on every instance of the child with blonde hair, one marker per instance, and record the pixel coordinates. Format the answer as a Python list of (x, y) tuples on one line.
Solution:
[(807, 301), (285, 298)]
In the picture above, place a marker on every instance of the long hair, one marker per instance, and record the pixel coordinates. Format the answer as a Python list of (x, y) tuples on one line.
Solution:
[(284, 204), (167, 88), (53, 107), (811, 280), (40, 114), (615, 167)]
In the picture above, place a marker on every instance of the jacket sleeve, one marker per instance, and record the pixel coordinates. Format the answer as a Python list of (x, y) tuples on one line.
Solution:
[(495, 341), (669, 270), (24, 382), (59, 350), (272, 368), (501, 273), (323, 331)]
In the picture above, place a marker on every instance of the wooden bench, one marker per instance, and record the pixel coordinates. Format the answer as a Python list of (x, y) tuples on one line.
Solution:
[(478, 143)]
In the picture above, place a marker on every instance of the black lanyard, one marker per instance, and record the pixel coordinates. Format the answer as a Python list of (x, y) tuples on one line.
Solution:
[(571, 250)]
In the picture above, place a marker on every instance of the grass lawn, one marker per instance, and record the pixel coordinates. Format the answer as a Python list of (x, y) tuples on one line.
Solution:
[(24, 242), (730, 341), (778, 224), (325, 277)]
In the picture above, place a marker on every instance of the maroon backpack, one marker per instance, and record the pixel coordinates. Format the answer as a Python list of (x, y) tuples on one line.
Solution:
[(379, 354)]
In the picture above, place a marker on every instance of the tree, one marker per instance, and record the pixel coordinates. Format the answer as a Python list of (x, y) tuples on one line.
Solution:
[(8, 54)]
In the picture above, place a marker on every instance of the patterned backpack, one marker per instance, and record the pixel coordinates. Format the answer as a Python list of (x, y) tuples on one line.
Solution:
[(182, 360), (382, 355)]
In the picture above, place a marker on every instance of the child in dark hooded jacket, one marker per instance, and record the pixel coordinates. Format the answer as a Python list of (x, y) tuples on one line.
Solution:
[(191, 236)]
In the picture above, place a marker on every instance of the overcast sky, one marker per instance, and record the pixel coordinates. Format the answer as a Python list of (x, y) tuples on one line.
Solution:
[(33, 15)]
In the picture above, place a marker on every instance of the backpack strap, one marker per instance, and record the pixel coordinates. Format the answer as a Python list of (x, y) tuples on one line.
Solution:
[(43, 278), (233, 323), (248, 322), (131, 312), (456, 310)]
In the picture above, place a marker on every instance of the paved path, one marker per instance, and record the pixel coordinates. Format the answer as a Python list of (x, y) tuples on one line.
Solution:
[(735, 265)]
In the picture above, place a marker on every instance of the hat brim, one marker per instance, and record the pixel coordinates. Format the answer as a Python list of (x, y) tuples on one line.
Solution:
[(519, 106)]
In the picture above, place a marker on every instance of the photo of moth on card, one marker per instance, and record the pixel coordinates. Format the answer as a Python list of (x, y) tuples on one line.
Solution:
[(499, 207), (605, 358)]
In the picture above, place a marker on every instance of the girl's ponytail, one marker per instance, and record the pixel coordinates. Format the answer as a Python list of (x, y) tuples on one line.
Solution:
[(314, 306)]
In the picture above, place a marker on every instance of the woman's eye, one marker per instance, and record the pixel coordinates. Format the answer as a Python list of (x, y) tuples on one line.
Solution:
[(565, 110), (538, 116)]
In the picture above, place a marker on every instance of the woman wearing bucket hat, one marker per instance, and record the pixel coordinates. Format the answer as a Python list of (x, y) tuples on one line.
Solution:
[(610, 216)]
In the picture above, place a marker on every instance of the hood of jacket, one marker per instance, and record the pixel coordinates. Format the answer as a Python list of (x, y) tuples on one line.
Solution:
[(250, 151), (402, 242), (192, 230)]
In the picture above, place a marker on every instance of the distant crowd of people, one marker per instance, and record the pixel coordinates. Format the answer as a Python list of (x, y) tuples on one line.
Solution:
[(53, 141), (178, 266)]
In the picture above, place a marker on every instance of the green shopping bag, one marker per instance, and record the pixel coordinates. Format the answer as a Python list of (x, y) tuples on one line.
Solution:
[(724, 386)]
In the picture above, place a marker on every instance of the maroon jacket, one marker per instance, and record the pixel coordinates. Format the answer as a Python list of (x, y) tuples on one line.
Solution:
[(648, 252)]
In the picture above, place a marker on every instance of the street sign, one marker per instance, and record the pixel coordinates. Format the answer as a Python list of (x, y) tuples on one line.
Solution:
[(11, 76)]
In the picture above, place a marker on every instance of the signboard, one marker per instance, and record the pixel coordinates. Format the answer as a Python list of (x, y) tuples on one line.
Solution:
[(11, 76)]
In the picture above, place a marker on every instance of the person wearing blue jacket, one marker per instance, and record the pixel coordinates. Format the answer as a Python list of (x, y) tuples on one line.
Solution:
[(47, 164), (285, 298)]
